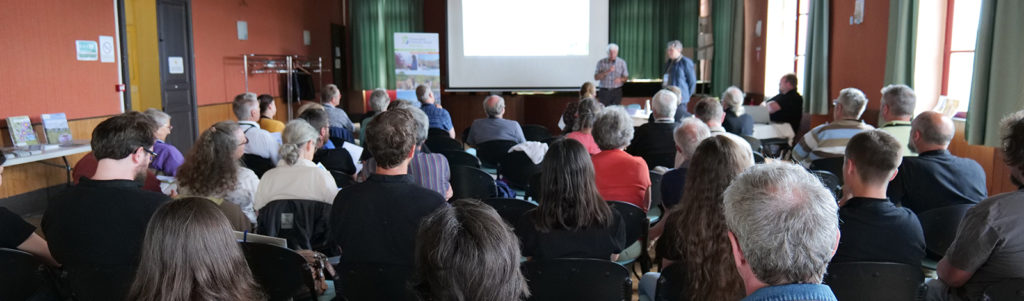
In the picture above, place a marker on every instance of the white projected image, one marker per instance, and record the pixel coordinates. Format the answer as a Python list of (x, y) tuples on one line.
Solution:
[(526, 27)]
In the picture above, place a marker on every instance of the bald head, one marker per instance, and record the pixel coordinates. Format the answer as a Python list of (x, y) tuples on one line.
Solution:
[(494, 106), (931, 131)]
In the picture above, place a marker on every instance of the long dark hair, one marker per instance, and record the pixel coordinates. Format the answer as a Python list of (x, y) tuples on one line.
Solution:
[(190, 253), (698, 222), (568, 195), (209, 168)]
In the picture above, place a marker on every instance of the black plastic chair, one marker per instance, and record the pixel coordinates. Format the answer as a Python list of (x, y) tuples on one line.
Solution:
[(491, 152), (443, 143), (510, 210), (305, 224), (755, 144), (460, 158), (341, 179), (667, 159), (672, 283), (19, 275), (775, 147), (1006, 290), (468, 182), (281, 273), (637, 226), (833, 165), (370, 281), (536, 132), (259, 165), (465, 134), (577, 279), (830, 181), (656, 211), (516, 168), (874, 281), (758, 158), (533, 189), (437, 132), (940, 226)]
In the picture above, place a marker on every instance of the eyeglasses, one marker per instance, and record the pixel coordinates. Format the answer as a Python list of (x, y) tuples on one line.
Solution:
[(244, 142), (152, 154)]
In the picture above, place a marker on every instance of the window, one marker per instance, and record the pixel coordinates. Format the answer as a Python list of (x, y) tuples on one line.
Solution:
[(958, 55), (785, 52)]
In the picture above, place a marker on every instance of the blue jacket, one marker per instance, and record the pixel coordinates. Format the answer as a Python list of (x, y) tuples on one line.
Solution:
[(680, 73)]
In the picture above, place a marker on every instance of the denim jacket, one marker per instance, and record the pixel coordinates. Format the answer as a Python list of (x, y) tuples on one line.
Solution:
[(793, 292)]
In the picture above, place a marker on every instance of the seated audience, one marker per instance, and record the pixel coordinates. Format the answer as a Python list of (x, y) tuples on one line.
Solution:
[(168, 158), (95, 228), (190, 253), (568, 119), (379, 101), (18, 234), (873, 228), (466, 252), (989, 247), (619, 175), (693, 229), (736, 121), (333, 157), (267, 111), (495, 127), (709, 110), (572, 220), (788, 105), (296, 176), (330, 97), (586, 113), (936, 178), (774, 207), (829, 140), (212, 171), (653, 140), (429, 170), (375, 222), (898, 103), (439, 117), (261, 142), (687, 137)]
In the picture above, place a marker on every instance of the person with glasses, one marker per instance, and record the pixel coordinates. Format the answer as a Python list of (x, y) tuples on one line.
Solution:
[(95, 228), (829, 140), (296, 176), (212, 171), (166, 157)]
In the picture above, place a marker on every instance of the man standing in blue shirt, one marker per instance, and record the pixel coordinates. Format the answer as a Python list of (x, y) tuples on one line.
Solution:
[(679, 72), (439, 117)]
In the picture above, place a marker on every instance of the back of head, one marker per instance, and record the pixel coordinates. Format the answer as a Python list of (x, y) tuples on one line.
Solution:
[(853, 103), (422, 124), (733, 98), (664, 103), (494, 105), (689, 134), (309, 106), (586, 114), (328, 94), (402, 104), (675, 90), (934, 127), (190, 253), (1013, 141), (244, 104), (466, 252), (265, 101), (900, 100), (569, 196), (391, 136), (379, 100), (613, 128), (875, 154), (588, 90), (423, 92), (316, 117), (159, 117), (708, 110), (785, 222), (121, 135), (209, 168), (294, 137)]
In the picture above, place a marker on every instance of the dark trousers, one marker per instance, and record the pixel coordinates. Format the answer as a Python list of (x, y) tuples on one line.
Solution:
[(610, 97)]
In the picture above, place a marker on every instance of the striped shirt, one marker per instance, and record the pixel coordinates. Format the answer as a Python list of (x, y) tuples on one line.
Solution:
[(608, 82), (430, 171), (827, 140)]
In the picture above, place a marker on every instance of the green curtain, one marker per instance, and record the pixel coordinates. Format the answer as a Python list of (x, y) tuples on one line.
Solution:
[(815, 79), (727, 60), (374, 23), (997, 88), (899, 54), (642, 28)]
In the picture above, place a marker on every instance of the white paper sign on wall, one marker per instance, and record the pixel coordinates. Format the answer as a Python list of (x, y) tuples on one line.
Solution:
[(107, 49), (175, 65)]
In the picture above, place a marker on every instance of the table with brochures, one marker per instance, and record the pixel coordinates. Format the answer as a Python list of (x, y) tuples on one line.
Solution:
[(62, 151)]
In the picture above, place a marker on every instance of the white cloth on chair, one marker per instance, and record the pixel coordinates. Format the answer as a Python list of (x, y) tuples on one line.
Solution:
[(533, 149)]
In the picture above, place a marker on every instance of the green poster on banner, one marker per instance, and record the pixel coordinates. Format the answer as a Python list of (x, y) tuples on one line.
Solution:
[(87, 50)]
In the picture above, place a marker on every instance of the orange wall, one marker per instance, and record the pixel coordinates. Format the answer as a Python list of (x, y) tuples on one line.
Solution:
[(857, 52), (275, 27), (38, 68)]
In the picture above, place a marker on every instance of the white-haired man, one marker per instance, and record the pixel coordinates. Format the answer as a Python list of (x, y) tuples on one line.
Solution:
[(495, 127), (710, 111), (687, 137), (829, 140), (898, 103), (260, 142), (653, 140), (611, 73), (679, 72), (783, 228)]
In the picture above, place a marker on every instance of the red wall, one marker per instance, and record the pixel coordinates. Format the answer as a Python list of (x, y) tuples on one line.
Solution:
[(38, 69), (275, 27), (857, 52)]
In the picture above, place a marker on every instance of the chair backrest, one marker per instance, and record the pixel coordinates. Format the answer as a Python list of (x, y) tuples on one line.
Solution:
[(437, 132), (468, 182), (533, 189), (304, 223), (940, 226), (775, 147), (340, 133), (672, 283), (491, 152), (1006, 290), (635, 219), (887, 281), (758, 158), (443, 143), (831, 182), (517, 168), (536, 132), (281, 273), (655, 189), (342, 179), (666, 159), (833, 165), (460, 158), (755, 144), (19, 275), (577, 279), (259, 165), (370, 281), (510, 210)]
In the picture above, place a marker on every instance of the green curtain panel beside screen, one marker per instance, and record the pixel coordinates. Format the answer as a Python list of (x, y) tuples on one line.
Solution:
[(727, 61), (899, 54), (998, 85), (816, 66), (374, 23), (642, 28)]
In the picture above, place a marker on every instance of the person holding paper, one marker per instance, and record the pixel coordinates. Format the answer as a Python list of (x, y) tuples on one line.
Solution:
[(611, 73)]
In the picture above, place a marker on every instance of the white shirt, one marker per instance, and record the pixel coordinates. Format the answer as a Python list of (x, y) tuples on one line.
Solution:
[(304, 180), (261, 142), (720, 131)]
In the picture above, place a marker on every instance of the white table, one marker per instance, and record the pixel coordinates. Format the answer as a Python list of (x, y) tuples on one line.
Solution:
[(77, 147), (773, 130)]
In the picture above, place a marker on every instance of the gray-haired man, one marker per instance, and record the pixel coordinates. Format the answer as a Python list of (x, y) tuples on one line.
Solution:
[(611, 73)]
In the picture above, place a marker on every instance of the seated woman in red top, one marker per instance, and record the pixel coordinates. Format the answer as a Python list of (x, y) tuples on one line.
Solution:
[(619, 175)]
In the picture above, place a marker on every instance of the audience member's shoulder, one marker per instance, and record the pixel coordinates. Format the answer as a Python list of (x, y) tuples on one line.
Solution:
[(246, 174)]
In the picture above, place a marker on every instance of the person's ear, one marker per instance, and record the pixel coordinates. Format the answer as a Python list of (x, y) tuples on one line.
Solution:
[(412, 152), (835, 246), (737, 253), (894, 173), (848, 168)]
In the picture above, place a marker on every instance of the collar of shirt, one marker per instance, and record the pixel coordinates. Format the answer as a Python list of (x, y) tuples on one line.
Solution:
[(329, 145), (664, 120), (863, 201), (847, 122), (109, 183), (788, 292), (934, 153), (390, 179), (250, 123), (895, 123), (717, 129)]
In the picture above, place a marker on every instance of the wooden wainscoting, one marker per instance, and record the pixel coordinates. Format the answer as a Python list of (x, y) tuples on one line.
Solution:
[(28, 177), (997, 174)]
